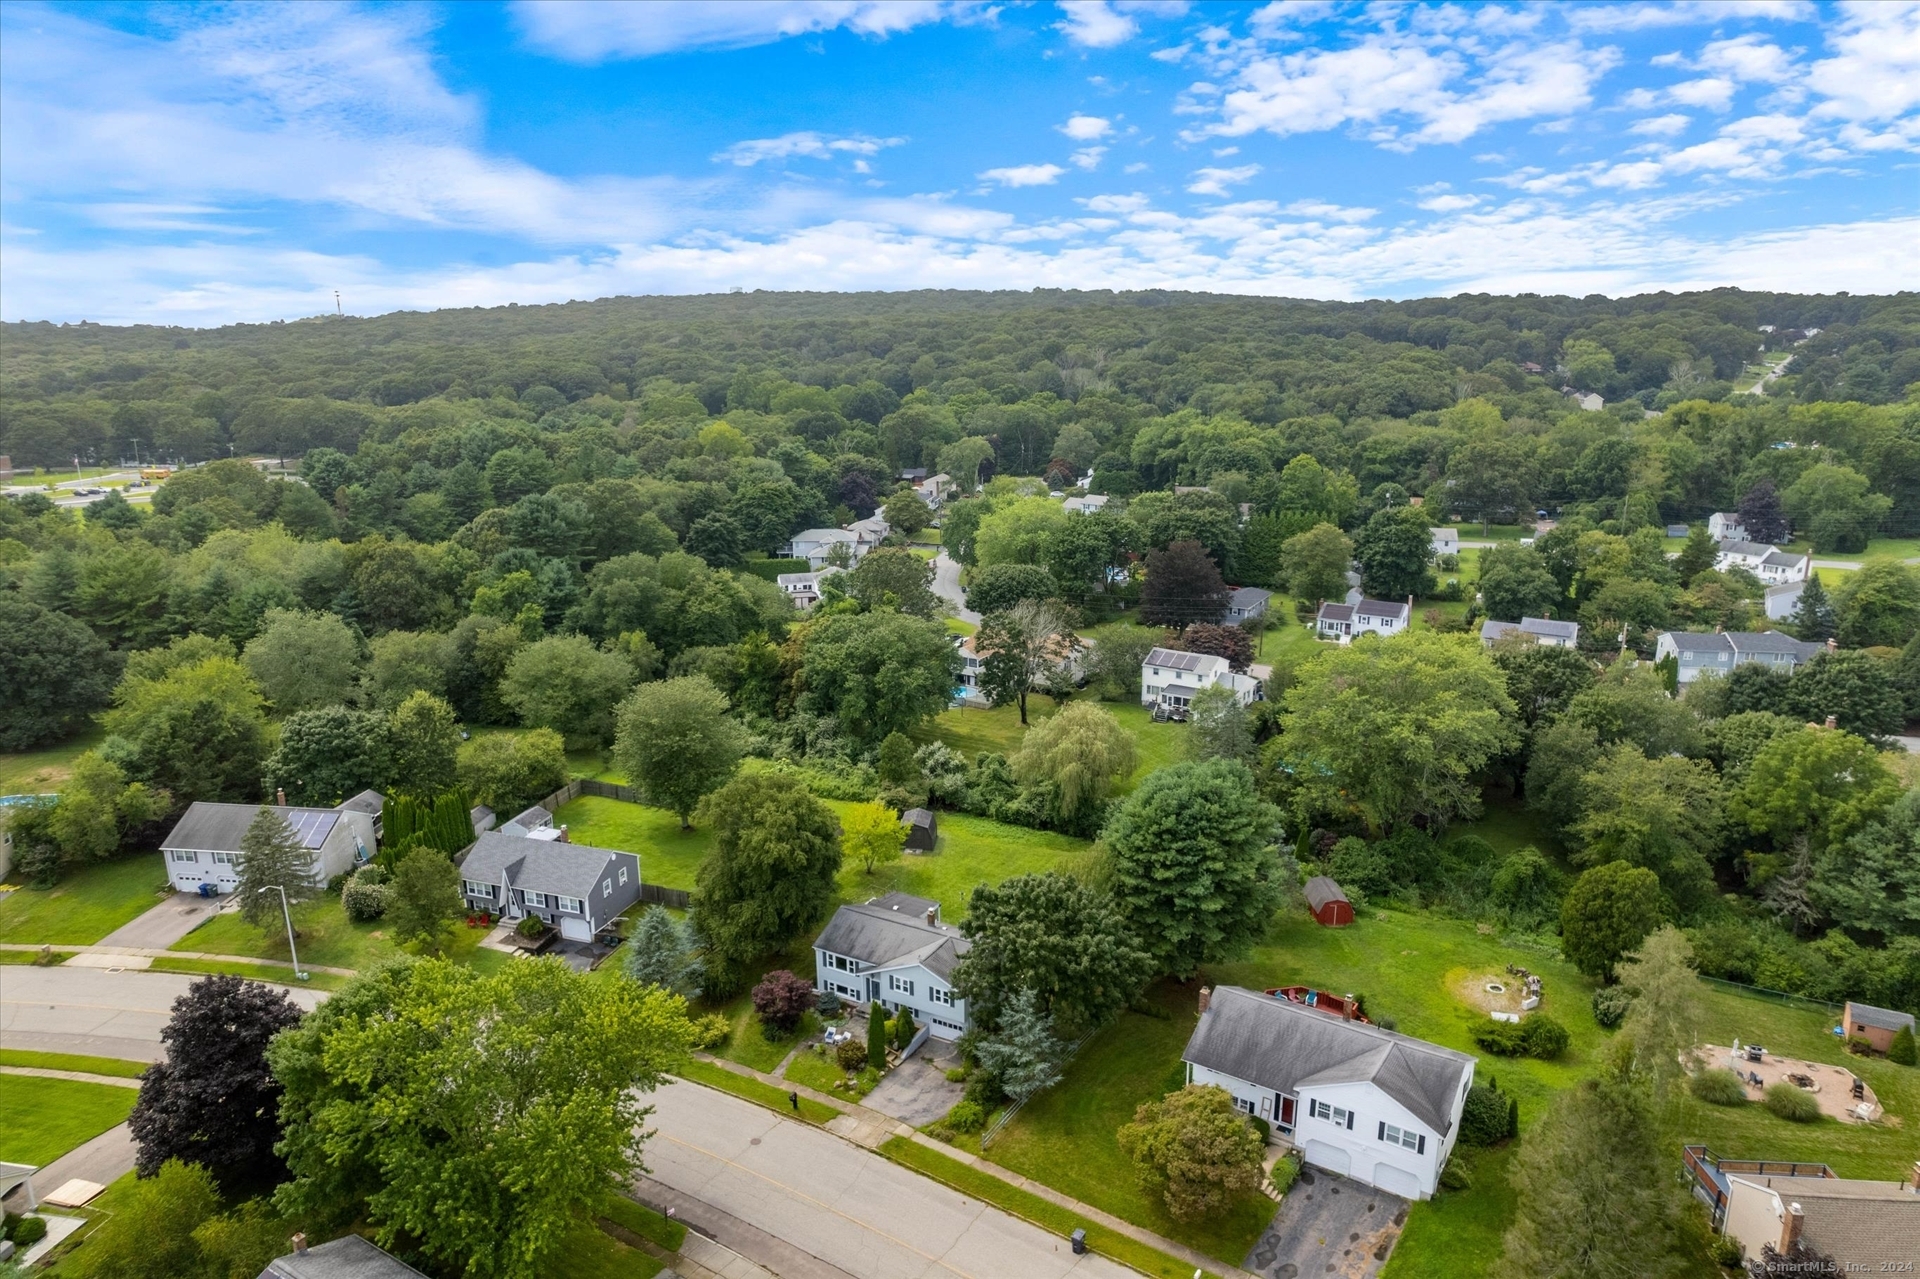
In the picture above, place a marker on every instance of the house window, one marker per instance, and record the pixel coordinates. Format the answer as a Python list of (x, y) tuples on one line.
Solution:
[(623, 876), (1242, 1105), (181, 855), (1394, 1136), (901, 984), (1334, 1115), (222, 859), (939, 996), (476, 890), (572, 905), (535, 899), (606, 888)]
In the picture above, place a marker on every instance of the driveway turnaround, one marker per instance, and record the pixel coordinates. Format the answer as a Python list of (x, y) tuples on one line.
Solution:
[(1328, 1225), (844, 1205), (95, 1012)]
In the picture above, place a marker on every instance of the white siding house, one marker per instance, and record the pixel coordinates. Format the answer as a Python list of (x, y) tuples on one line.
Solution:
[(1170, 679), (1544, 630), (894, 950), (1347, 622), (1718, 652), (1768, 563), (803, 589), (1084, 505), (1446, 541), (1366, 1103), (815, 544), (1725, 526), (203, 848)]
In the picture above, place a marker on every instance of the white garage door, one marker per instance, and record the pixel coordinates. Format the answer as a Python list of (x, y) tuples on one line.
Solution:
[(1324, 1155), (574, 928), (1396, 1181)]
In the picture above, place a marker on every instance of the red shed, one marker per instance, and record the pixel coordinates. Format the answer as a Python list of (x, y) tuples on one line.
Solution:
[(1328, 904)]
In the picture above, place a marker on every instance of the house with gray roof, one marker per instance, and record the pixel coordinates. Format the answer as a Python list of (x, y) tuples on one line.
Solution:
[(894, 950), (1542, 630), (1247, 602), (535, 823), (1718, 652), (1768, 563), (1856, 1225), (203, 853), (1784, 600), (577, 888), (1345, 623), (1170, 678), (348, 1257), (1371, 1104), (1877, 1026)]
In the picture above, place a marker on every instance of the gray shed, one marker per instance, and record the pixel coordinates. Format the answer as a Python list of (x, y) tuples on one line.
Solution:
[(923, 832)]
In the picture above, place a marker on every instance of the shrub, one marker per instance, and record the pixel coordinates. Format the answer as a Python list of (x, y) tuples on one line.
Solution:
[(1726, 1251), (958, 1075), (711, 1031), (984, 1088), (850, 1055), (1718, 1087), (532, 926), (1455, 1176), (1483, 1119), (28, 1231), (1502, 1038), (967, 1116), (782, 999), (1361, 868), (365, 901), (1544, 1037), (942, 1132), (903, 1029), (829, 1005), (1285, 1171), (1903, 1051), (1610, 1004), (1784, 1101)]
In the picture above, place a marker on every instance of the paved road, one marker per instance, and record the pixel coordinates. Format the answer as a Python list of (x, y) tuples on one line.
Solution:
[(946, 584), (165, 924), (91, 1011), (846, 1206)]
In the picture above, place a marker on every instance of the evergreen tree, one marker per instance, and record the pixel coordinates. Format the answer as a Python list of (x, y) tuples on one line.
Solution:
[(1697, 556), (876, 1036), (1813, 617), (661, 953), (1902, 1051), (1218, 726), (272, 856), (1023, 1054)]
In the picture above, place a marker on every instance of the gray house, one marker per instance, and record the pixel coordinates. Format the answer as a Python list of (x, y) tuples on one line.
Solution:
[(203, 848), (895, 951), (1543, 630), (1718, 652), (1247, 602), (577, 888), (348, 1257)]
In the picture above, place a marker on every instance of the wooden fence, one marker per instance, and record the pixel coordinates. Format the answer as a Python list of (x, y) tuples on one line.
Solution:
[(678, 898)]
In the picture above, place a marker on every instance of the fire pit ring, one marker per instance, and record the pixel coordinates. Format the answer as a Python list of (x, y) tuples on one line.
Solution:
[(1495, 988)]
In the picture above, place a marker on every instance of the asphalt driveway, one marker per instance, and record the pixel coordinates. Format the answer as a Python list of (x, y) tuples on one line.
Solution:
[(1328, 1225), (166, 923), (917, 1091)]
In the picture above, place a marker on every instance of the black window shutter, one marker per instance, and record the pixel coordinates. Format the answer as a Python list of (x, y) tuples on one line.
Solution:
[(1423, 1147), (1383, 1130), (1349, 1121)]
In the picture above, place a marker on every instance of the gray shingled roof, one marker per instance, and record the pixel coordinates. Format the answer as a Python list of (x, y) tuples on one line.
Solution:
[(1859, 1224), (1550, 628), (219, 828), (1320, 890), (1884, 1018), (369, 802), (1246, 597), (530, 818), (348, 1257), (1746, 548), (1743, 642), (1277, 1044), (1382, 608), (1783, 559), (893, 930), (1336, 612), (917, 817), (537, 865)]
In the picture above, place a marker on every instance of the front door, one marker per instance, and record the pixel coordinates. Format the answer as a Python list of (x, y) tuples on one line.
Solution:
[(1286, 1114)]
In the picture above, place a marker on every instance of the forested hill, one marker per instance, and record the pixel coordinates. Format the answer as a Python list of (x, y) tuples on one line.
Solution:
[(1012, 366)]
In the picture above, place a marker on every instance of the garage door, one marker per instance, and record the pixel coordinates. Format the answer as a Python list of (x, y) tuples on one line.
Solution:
[(1396, 1181), (1325, 1155), (575, 929)]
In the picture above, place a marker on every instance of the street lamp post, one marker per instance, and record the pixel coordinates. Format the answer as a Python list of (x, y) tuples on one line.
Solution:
[(288, 912)]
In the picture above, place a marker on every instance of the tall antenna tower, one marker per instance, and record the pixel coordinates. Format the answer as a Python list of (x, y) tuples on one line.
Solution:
[(336, 304)]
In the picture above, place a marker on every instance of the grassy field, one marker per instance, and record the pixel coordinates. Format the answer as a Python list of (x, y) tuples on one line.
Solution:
[(753, 1090), (41, 772), (324, 935), (252, 972), (42, 1119), (86, 905), (972, 851), (669, 856), (973, 731), (72, 1061)]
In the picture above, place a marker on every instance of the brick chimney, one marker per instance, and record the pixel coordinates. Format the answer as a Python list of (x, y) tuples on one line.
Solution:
[(563, 836), (280, 797), (1206, 999), (933, 916), (1346, 1013), (1790, 1228), (300, 1243), (1833, 721)]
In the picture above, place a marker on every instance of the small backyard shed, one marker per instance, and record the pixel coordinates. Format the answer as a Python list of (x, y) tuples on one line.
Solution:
[(1877, 1026), (922, 830), (1328, 904)]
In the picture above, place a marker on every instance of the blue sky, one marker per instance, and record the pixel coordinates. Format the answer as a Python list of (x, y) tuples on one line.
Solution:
[(204, 164)]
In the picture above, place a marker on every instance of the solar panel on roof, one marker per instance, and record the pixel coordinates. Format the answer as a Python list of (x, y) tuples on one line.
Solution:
[(312, 828), (1174, 661)]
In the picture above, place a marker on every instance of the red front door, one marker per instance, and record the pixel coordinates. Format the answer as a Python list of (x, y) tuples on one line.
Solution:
[(1286, 1114)]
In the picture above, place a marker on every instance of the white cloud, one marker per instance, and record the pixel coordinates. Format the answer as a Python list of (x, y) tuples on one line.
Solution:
[(1087, 128), (1712, 92), (1323, 211), (1661, 126), (1102, 24), (1212, 181), (1449, 203), (1749, 58), (815, 146), (1138, 166), (1639, 17), (1874, 73), (1025, 175), (596, 30), (1087, 157), (1282, 18), (1116, 203)]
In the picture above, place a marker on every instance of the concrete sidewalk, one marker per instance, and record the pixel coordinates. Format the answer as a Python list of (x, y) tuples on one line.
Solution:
[(842, 1205)]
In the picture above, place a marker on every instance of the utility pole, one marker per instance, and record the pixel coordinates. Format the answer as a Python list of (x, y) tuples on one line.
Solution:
[(287, 911), (336, 304)]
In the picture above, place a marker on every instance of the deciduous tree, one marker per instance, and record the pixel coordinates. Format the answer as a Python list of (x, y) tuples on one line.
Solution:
[(1664, 814), (425, 897), (1195, 1151), (1081, 752), (871, 834), (1183, 586), (1314, 564), (303, 660), (1054, 936), (566, 684), (998, 587), (56, 672), (894, 577), (1607, 913), (424, 739), (876, 673), (676, 742), (773, 869), (1021, 648), (329, 753), (508, 771), (1879, 605), (1395, 553), (1218, 726), (1817, 782), (197, 731)]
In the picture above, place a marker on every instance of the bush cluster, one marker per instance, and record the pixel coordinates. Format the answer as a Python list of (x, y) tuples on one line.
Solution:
[(1718, 1086), (1784, 1101), (1536, 1035)]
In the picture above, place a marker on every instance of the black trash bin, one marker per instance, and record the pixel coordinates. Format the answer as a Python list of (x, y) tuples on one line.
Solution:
[(1080, 1240)]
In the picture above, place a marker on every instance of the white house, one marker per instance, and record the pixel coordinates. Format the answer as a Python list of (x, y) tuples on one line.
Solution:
[(1725, 526), (1084, 505), (533, 823), (803, 589), (1699, 652), (1346, 622), (1783, 599), (870, 532), (815, 544), (1544, 630), (935, 490), (1247, 602), (1170, 679), (1067, 655), (1768, 563), (577, 888), (204, 846), (1446, 541), (1366, 1103), (1591, 402), (894, 950)]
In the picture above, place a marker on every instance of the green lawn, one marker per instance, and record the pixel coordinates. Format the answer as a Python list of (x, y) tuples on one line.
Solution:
[(252, 972), (42, 1119), (1460, 1232), (972, 731), (588, 1252), (325, 936), (86, 905), (72, 1061), (41, 772), (971, 851), (753, 1090), (669, 856), (645, 1222)]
